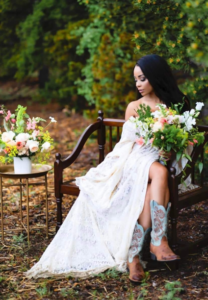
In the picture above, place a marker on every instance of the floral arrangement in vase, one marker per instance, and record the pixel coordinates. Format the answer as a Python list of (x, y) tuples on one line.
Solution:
[(24, 138)]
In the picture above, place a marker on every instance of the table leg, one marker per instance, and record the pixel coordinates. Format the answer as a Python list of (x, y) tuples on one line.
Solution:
[(46, 191), (27, 191), (2, 219), (21, 219)]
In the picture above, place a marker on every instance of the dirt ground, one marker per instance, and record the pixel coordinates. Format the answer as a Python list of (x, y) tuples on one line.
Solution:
[(189, 281)]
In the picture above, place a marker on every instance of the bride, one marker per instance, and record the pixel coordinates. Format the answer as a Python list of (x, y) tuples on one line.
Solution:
[(121, 198)]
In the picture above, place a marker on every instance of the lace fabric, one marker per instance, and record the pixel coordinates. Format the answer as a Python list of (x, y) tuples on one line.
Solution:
[(97, 232)]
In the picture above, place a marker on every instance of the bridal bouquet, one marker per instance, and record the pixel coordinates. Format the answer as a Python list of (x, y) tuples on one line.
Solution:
[(169, 130), (23, 136)]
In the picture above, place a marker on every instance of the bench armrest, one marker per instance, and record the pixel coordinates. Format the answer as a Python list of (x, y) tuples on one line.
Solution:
[(66, 162)]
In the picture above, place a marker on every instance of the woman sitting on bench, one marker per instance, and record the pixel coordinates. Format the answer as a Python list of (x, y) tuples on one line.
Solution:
[(121, 198)]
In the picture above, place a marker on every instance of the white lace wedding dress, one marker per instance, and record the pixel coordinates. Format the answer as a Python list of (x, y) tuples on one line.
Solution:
[(97, 232)]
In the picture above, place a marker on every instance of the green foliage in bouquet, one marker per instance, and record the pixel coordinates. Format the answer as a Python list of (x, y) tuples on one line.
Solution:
[(144, 113), (171, 138)]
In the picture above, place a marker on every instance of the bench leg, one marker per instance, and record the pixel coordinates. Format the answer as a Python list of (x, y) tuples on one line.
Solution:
[(59, 213), (174, 241)]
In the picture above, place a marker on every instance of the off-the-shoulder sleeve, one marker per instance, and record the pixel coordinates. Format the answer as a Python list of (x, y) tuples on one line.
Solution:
[(130, 131)]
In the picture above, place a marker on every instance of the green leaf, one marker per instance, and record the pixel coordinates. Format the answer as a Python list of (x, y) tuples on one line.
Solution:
[(201, 166), (21, 123), (5, 125), (178, 155), (188, 157)]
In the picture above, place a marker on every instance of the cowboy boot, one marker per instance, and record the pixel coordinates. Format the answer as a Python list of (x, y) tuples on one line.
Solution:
[(159, 247), (134, 265)]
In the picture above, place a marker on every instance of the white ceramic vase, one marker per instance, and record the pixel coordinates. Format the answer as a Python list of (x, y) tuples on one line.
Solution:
[(22, 165)]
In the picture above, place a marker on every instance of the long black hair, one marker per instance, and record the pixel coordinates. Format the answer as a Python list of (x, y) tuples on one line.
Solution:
[(160, 76)]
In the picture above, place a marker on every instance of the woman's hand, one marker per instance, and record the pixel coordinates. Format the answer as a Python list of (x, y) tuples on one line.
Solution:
[(167, 155)]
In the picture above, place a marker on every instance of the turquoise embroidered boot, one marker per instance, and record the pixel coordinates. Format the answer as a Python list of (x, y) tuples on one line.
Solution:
[(159, 247), (134, 265)]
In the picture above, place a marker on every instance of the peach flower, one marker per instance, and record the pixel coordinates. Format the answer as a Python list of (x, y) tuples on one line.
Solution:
[(140, 141)]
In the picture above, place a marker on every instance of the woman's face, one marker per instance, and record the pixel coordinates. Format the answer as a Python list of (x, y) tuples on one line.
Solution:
[(142, 83)]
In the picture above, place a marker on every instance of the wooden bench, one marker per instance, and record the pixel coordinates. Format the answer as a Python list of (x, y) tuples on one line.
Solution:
[(179, 201)]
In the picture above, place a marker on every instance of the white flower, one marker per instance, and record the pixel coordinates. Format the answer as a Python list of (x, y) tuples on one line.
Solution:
[(132, 119), (156, 114), (181, 119), (52, 120), (175, 119), (23, 151), (143, 129), (46, 147), (170, 119), (32, 145), (22, 137), (163, 105), (7, 136), (12, 143), (192, 112), (199, 105), (189, 121), (157, 126)]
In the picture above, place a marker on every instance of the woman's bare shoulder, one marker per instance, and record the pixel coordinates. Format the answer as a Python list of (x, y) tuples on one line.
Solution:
[(132, 108)]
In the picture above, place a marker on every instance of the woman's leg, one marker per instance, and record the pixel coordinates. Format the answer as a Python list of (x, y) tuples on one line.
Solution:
[(159, 192), (135, 268), (157, 189)]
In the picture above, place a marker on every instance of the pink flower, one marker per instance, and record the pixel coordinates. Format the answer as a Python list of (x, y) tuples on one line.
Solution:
[(190, 143), (13, 120), (28, 125), (140, 141), (19, 145), (1, 112), (157, 126), (31, 124), (35, 133), (151, 140), (195, 141), (8, 115), (163, 120)]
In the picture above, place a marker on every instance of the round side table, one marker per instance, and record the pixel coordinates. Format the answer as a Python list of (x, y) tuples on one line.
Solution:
[(37, 171)]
